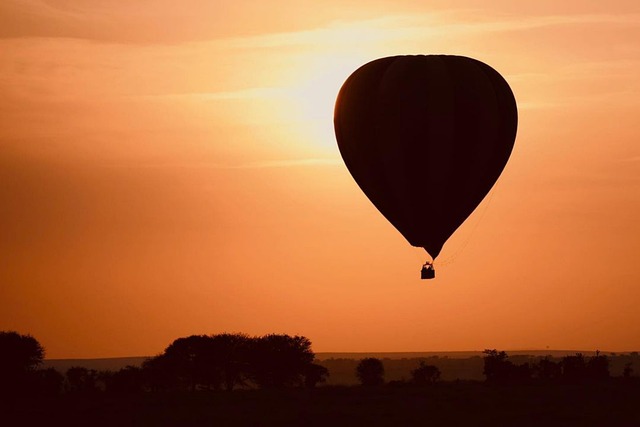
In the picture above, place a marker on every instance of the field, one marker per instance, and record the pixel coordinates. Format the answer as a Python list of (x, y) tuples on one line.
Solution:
[(462, 398), (444, 404)]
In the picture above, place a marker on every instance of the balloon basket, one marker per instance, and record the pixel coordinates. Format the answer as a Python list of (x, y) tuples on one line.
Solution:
[(427, 273)]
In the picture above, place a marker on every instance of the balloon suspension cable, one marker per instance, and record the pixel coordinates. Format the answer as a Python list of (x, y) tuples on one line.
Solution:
[(429, 262), (460, 249)]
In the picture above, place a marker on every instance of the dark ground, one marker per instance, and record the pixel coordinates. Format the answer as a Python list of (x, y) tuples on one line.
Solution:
[(445, 404)]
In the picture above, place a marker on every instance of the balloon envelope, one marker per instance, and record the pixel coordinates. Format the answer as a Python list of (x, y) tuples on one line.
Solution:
[(425, 138)]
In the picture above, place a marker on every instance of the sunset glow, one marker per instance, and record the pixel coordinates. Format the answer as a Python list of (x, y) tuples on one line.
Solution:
[(171, 170)]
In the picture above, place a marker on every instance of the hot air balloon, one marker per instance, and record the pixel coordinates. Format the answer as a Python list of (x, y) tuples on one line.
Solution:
[(425, 137)]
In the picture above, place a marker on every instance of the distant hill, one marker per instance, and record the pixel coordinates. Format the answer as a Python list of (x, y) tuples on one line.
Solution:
[(106, 364), (448, 354)]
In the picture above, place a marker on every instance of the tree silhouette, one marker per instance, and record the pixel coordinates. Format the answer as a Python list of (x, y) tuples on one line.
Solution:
[(229, 356), (370, 372), (315, 374), (230, 360), (209, 362), (20, 355), (279, 360), (425, 374), (577, 369), (159, 373), (20, 352), (496, 366), (187, 358)]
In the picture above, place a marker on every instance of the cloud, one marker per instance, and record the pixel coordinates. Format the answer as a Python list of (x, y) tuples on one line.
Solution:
[(33, 18), (421, 26), (156, 21), (511, 23), (267, 164), (248, 93), (260, 24), (287, 163)]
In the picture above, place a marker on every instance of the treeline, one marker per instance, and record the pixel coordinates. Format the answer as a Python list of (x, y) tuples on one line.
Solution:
[(239, 361), (573, 369), (467, 368), (214, 362), (576, 369), (198, 362)]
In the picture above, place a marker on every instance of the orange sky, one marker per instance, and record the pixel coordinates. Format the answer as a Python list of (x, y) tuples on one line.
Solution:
[(169, 168)]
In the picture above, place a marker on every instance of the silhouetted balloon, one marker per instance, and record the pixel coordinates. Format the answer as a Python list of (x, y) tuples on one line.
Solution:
[(425, 138)]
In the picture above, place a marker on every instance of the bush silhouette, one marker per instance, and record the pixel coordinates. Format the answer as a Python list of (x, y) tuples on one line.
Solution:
[(315, 374), (627, 373), (573, 369), (129, 379), (598, 368), (80, 380), (499, 370), (425, 374), (370, 372), (577, 369), (48, 382), (547, 370)]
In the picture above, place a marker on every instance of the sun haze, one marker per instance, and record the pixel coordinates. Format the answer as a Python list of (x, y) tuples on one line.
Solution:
[(171, 170)]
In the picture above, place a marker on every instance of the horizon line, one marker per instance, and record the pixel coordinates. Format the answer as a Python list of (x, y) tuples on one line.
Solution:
[(383, 352)]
